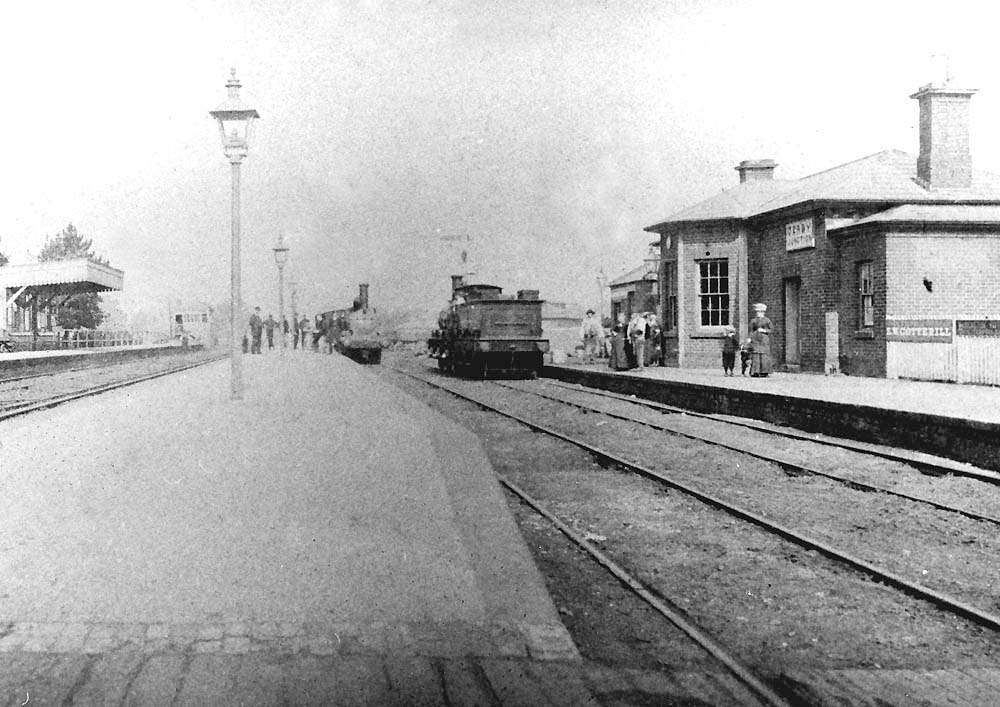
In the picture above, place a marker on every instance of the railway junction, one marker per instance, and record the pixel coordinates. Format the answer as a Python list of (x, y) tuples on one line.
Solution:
[(339, 537)]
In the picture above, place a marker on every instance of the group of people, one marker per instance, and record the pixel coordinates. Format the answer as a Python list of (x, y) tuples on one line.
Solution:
[(639, 342), (755, 352), (303, 332), (636, 342)]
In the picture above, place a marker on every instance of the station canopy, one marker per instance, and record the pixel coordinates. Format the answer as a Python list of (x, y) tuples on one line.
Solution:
[(58, 278)]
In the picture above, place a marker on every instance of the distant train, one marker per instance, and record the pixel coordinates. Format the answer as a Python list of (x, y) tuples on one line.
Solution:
[(194, 326), (484, 333), (355, 332)]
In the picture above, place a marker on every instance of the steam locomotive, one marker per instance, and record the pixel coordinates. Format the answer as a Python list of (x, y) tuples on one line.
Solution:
[(485, 333), (355, 332)]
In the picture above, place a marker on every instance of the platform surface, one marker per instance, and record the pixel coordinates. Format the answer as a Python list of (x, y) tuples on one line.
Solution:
[(966, 402), (327, 540)]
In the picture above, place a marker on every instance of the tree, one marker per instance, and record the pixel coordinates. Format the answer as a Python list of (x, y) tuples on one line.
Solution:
[(79, 310)]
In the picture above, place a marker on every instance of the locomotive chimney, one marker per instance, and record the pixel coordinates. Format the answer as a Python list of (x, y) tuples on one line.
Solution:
[(363, 295), (456, 282)]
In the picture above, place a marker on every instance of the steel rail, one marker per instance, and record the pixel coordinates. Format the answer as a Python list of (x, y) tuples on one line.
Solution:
[(97, 389), (672, 614), (932, 467), (940, 599), (783, 463)]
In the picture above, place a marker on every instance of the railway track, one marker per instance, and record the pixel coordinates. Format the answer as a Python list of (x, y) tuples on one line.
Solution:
[(811, 680), (10, 409), (926, 463), (942, 600), (788, 464)]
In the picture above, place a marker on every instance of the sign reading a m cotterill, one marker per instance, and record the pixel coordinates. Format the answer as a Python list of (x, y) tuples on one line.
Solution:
[(921, 331), (799, 235)]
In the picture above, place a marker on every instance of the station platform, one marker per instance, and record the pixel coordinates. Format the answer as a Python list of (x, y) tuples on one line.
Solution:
[(326, 540), (26, 362), (960, 422)]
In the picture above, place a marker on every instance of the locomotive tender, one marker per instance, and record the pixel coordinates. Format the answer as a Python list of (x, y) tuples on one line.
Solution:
[(486, 333), (355, 332)]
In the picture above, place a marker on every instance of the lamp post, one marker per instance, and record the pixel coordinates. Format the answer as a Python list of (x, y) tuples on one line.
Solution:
[(280, 258), (235, 120), (602, 282)]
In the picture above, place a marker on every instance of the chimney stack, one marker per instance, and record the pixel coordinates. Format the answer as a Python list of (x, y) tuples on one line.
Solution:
[(944, 161), (363, 295), (756, 170), (456, 282)]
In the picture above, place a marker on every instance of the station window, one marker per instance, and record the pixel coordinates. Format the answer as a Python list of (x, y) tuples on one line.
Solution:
[(713, 292), (670, 296), (866, 295)]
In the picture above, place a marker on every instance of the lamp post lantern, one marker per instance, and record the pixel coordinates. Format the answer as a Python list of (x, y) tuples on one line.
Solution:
[(280, 258), (235, 120)]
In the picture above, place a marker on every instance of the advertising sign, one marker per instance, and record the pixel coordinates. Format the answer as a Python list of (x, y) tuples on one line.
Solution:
[(921, 331), (977, 327)]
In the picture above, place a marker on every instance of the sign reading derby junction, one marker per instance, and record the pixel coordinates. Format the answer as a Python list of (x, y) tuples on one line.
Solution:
[(799, 235), (921, 331)]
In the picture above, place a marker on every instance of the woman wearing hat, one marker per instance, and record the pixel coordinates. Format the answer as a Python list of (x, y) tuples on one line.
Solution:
[(760, 335)]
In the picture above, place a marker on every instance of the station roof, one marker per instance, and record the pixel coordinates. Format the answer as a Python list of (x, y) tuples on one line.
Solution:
[(888, 176), (638, 275), (69, 277), (924, 214)]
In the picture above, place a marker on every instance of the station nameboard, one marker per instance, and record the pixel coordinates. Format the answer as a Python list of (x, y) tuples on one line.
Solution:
[(977, 327), (921, 331), (799, 235)]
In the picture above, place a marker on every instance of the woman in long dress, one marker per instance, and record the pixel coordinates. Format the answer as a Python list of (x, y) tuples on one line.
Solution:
[(760, 335)]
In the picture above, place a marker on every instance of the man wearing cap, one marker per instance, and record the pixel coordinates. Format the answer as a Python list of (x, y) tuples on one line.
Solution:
[(256, 330), (590, 332), (760, 337)]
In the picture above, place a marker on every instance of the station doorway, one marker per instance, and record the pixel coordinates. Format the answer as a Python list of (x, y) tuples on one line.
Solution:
[(793, 356)]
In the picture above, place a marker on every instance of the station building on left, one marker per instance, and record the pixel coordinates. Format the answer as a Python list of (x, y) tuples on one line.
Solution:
[(33, 292)]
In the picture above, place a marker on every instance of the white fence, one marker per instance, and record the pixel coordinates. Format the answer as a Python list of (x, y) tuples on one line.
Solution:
[(966, 359)]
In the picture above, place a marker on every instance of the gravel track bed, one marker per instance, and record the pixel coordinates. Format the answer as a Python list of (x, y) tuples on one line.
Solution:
[(780, 608), (66, 382), (934, 548), (961, 491)]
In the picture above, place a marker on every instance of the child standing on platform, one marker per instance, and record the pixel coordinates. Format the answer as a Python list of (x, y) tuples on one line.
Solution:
[(746, 353), (729, 347)]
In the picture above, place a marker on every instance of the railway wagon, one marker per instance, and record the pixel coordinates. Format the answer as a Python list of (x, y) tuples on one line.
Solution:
[(355, 332), (484, 333)]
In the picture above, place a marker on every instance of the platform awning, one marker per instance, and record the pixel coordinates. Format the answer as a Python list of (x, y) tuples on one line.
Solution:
[(62, 277)]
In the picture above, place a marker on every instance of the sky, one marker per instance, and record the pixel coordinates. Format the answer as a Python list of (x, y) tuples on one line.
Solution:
[(538, 137)]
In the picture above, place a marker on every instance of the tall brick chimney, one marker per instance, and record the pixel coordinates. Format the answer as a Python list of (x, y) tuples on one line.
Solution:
[(756, 170), (944, 161), (363, 295)]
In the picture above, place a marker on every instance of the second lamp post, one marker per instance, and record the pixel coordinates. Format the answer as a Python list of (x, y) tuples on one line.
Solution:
[(280, 258)]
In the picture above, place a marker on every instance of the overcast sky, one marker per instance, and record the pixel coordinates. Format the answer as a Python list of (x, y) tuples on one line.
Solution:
[(549, 132)]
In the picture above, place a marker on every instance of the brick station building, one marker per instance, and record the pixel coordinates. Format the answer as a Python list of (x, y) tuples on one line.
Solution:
[(884, 266)]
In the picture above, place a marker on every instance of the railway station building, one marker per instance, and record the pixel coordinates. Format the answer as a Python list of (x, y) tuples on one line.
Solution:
[(884, 266)]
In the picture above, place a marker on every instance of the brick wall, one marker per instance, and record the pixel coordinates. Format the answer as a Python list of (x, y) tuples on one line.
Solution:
[(770, 265), (703, 345), (963, 268), (862, 352)]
